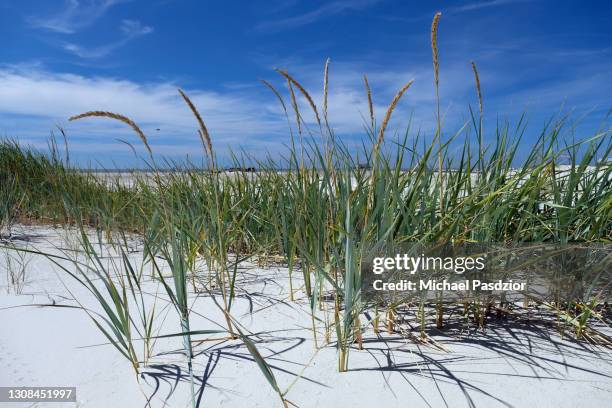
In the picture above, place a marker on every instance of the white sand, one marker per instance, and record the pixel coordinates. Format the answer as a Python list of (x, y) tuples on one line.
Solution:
[(505, 366)]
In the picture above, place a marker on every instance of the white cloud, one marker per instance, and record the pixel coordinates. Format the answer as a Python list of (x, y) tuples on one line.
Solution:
[(130, 29), (482, 4), (134, 28), (79, 14), (32, 102), (464, 8), (325, 11), (75, 15)]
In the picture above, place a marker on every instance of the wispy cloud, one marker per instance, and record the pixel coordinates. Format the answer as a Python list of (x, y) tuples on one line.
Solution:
[(130, 30), (464, 8), (482, 4), (75, 15), (325, 11), (79, 14)]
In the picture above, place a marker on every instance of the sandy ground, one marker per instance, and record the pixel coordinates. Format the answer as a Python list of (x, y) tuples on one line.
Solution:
[(528, 365), (131, 178)]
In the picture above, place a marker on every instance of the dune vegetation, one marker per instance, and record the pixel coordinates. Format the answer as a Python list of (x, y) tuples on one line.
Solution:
[(321, 210)]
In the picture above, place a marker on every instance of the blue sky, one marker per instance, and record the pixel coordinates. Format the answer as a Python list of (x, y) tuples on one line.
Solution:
[(63, 57)]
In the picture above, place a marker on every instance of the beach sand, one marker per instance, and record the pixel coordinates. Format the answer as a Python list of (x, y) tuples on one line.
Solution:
[(41, 344)]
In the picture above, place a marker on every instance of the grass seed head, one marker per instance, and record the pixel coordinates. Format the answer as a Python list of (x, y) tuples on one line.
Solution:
[(298, 117), (369, 95), (118, 117), (390, 110), (325, 88), (203, 132), (303, 91), (478, 91), (434, 45)]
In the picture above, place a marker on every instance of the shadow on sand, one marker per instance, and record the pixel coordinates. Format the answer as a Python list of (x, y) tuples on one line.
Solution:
[(533, 349)]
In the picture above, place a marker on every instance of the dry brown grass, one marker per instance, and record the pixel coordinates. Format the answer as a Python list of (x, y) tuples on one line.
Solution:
[(434, 46), (390, 109), (478, 90), (203, 131), (370, 104), (325, 90), (298, 117), (480, 108), (303, 92), (116, 116), (436, 67), (281, 100)]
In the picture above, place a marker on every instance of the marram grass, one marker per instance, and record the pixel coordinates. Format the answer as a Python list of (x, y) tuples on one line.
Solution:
[(322, 211)]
